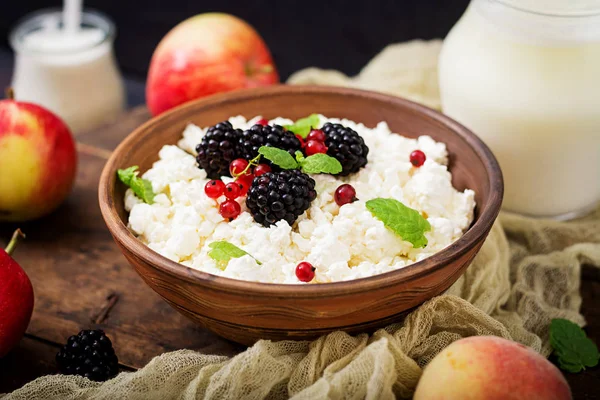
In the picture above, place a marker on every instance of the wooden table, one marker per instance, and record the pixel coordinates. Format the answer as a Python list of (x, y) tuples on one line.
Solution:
[(82, 281)]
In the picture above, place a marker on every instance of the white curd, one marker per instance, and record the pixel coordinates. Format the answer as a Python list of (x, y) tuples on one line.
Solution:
[(341, 242)]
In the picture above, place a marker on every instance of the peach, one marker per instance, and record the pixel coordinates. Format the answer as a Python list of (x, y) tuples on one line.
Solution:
[(491, 368)]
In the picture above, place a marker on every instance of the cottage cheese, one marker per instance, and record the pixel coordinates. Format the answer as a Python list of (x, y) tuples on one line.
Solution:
[(342, 243)]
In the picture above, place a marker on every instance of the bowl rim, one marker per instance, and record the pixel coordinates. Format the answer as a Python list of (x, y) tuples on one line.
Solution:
[(470, 239)]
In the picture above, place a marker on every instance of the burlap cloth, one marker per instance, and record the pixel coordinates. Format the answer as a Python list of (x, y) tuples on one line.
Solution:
[(527, 273)]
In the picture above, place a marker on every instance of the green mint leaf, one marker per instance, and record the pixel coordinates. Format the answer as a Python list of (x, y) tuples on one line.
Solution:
[(223, 251), (320, 164), (127, 174), (278, 157), (141, 187), (575, 351), (303, 126), (572, 368), (404, 221), (300, 157)]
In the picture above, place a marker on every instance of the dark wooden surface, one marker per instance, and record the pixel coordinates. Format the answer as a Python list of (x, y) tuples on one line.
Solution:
[(76, 269), (75, 266)]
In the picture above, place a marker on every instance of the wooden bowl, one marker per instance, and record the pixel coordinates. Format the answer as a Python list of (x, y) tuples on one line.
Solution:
[(247, 311)]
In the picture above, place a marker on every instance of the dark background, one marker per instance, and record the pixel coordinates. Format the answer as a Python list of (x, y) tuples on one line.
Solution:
[(337, 34)]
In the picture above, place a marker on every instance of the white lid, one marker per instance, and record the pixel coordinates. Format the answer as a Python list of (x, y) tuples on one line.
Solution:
[(544, 22), (565, 8)]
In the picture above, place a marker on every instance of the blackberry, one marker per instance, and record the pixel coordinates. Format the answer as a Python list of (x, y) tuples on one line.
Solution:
[(280, 195), (88, 354), (267, 135), (217, 149), (347, 146)]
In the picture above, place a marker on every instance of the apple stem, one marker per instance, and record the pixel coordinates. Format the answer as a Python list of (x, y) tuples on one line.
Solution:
[(13, 241), (10, 93), (265, 69)]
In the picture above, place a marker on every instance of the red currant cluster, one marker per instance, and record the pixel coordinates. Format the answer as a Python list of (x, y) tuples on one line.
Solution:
[(244, 173), (314, 142)]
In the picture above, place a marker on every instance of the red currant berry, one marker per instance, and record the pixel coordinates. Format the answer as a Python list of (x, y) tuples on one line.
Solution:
[(345, 194), (244, 186), (246, 179), (302, 142), (230, 209), (417, 158), (232, 190), (305, 272), (316, 134), (262, 122), (237, 166), (314, 147), (214, 189), (261, 169)]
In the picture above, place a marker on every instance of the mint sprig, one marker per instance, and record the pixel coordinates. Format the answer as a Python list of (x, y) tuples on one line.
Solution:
[(404, 221), (575, 351), (222, 251), (303, 126), (315, 164), (278, 157), (320, 164), (141, 187)]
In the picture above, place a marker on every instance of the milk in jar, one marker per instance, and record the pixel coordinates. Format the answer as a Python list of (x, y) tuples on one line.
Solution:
[(72, 74), (525, 76)]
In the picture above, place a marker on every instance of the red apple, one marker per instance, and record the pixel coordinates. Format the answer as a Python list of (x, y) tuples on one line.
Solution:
[(207, 54), (37, 161), (16, 299)]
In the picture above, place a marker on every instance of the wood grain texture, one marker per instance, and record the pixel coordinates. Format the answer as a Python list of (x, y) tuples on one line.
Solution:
[(75, 267), (247, 311)]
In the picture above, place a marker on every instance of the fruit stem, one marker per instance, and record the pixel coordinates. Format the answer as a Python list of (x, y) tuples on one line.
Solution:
[(251, 163), (13, 241), (10, 93), (265, 69)]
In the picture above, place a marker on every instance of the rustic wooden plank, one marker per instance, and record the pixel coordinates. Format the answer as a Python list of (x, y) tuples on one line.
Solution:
[(29, 360), (586, 384), (74, 266), (110, 135)]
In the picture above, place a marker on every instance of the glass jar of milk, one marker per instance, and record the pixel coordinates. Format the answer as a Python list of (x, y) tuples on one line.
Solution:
[(524, 75), (74, 74)]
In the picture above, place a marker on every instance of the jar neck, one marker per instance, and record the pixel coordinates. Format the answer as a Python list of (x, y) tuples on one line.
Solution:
[(50, 21), (546, 22), (554, 8)]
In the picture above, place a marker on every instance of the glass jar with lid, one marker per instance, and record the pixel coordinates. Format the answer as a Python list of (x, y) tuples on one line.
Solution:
[(525, 76), (73, 74)]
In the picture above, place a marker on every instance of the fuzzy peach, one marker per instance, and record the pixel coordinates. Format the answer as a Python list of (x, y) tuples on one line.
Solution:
[(491, 368)]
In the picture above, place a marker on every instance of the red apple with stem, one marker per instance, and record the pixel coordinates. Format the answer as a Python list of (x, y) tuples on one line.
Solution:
[(207, 54), (16, 298), (37, 160)]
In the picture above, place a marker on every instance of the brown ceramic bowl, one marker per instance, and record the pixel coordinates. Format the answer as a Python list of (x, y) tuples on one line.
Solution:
[(247, 311)]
